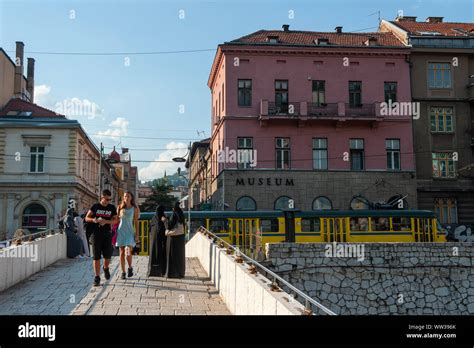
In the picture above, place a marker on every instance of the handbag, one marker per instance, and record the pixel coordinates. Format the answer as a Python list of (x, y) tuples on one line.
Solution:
[(177, 231)]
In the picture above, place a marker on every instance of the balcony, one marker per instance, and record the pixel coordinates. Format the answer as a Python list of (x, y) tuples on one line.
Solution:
[(287, 110), (361, 110), (323, 110)]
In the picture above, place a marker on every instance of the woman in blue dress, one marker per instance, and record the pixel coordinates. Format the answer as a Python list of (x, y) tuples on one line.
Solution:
[(127, 232)]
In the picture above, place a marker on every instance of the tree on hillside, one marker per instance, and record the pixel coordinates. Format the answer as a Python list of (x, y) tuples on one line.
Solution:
[(160, 195)]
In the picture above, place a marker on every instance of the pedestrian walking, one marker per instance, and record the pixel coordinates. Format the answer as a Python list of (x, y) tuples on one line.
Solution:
[(157, 257)]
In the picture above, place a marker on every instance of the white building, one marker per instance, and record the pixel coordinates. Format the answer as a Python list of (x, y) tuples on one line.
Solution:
[(45, 161)]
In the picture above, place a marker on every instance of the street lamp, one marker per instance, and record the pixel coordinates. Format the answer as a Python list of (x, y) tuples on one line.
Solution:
[(188, 179)]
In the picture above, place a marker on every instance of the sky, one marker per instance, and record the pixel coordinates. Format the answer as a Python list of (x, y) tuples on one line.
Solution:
[(155, 104)]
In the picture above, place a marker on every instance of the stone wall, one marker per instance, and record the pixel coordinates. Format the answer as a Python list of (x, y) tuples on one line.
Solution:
[(390, 278)]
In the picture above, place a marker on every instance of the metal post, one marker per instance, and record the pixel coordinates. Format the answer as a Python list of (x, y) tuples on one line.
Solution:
[(189, 193), (100, 169)]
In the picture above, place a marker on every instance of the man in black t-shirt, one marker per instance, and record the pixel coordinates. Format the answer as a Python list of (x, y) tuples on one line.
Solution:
[(103, 215)]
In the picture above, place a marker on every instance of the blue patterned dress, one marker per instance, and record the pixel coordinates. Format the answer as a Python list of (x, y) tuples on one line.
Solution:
[(126, 231)]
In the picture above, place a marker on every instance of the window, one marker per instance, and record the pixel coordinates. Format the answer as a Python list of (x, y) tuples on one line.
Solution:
[(447, 210), (319, 96), (441, 119), (439, 75), (34, 217), (282, 202), (245, 92), (281, 96), (355, 94), (218, 225), (322, 203), (282, 153), (357, 154), (37, 159), (393, 154), (269, 225), (443, 165), (244, 146), (390, 91), (246, 203), (320, 153), (310, 225)]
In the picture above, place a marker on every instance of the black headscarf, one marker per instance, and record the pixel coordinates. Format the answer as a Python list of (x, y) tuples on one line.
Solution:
[(160, 211), (179, 212)]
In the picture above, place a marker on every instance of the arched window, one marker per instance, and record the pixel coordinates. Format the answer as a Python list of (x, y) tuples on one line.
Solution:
[(246, 203), (322, 203), (34, 217), (359, 203), (282, 202)]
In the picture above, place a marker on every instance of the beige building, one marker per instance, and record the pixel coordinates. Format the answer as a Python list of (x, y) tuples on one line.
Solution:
[(199, 166), (46, 161)]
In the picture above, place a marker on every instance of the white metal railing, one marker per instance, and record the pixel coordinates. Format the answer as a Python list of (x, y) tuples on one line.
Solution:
[(309, 301)]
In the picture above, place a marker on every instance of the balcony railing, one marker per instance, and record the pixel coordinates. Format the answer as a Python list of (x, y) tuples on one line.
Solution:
[(312, 111), (360, 110), (322, 110), (289, 109)]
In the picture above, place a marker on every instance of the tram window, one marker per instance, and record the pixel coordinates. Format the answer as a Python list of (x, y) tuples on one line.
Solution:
[(381, 224), (310, 225), (269, 225), (359, 224), (217, 226), (401, 224)]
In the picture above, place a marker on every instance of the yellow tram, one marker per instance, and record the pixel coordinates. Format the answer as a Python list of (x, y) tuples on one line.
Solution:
[(250, 230)]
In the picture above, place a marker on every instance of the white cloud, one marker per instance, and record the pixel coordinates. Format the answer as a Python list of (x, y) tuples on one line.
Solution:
[(77, 108), (73, 108), (42, 96), (157, 169), (118, 129)]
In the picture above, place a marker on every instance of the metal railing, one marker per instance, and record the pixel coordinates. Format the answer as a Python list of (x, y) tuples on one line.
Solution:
[(268, 273), (287, 109), (322, 110), (30, 237), (360, 110)]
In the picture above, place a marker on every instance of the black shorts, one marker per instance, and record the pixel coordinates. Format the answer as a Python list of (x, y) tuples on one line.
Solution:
[(102, 245)]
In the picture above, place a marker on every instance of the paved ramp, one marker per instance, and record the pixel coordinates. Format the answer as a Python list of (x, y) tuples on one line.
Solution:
[(65, 288)]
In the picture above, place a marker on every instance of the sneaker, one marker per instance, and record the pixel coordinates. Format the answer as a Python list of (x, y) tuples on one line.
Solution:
[(130, 272), (124, 275), (96, 281), (107, 273)]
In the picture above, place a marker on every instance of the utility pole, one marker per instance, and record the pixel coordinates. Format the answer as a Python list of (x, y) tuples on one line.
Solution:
[(100, 169)]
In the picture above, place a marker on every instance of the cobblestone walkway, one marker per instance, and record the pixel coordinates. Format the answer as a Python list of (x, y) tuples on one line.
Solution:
[(66, 288)]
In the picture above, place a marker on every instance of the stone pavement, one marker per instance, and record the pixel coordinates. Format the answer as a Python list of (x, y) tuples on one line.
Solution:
[(66, 288)]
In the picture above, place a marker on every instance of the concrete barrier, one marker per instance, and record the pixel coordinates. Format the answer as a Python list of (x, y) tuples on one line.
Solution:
[(17, 263), (243, 293)]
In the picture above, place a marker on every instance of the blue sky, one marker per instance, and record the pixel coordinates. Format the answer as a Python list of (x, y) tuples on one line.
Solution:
[(143, 100)]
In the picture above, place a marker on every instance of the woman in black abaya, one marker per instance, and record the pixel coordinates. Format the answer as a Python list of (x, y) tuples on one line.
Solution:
[(176, 259), (157, 258)]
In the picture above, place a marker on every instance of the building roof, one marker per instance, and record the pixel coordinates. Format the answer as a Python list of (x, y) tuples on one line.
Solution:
[(437, 29), (293, 37), (19, 108)]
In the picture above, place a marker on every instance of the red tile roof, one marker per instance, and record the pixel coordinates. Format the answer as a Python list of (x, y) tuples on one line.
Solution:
[(293, 37), (21, 105), (444, 28)]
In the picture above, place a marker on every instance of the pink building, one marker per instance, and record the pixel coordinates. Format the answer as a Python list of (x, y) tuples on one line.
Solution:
[(310, 107)]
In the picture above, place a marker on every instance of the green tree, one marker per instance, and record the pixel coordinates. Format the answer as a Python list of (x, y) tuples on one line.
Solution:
[(160, 195)]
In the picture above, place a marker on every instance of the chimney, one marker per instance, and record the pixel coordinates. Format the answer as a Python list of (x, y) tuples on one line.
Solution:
[(338, 30), (286, 27), (30, 79), (20, 46), (405, 19), (434, 19)]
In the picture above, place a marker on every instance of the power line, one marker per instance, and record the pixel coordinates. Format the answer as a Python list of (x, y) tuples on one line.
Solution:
[(116, 53)]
